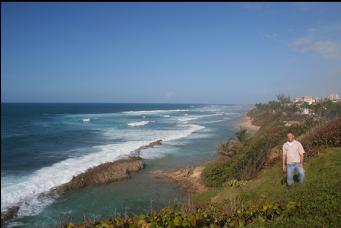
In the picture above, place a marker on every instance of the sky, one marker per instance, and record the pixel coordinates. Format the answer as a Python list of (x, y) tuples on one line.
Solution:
[(169, 52)]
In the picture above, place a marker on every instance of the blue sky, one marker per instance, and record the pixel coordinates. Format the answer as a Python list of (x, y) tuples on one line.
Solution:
[(169, 52)]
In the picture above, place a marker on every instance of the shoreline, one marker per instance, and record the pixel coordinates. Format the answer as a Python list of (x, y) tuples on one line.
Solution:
[(105, 173), (246, 123), (99, 175), (189, 178)]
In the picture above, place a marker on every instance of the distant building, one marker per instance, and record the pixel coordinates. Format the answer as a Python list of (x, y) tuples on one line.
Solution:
[(306, 111), (334, 98), (305, 99)]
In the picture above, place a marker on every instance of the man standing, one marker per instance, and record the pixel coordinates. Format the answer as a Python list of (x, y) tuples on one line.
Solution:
[(293, 159)]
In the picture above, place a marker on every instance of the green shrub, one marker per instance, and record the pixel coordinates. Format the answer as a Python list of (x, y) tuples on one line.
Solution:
[(235, 183), (212, 215), (243, 135), (251, 155), (325, 134)]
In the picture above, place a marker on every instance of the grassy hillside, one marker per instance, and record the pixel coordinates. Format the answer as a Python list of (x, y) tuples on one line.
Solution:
[(247, 186), (319, 197), (245, 159), (250, 156), (261, 202)]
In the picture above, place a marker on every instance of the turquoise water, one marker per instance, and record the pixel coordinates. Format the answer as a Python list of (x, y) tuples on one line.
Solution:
[(44, 145)]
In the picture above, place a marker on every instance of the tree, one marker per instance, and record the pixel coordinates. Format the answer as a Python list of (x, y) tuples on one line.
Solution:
[(282, 98)]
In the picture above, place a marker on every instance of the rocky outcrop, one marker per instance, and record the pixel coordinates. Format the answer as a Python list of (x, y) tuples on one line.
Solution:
[(138, 150), (9, 213), (107, 172), (230, 148), (189, 178), (103, 174)]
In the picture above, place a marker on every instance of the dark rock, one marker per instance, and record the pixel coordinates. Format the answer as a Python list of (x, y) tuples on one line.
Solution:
[(9, 213), (103, 174), (138, 150), (230, 148), (107, 172)]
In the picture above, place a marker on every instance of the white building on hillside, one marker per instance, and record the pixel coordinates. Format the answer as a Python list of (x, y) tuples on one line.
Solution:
[(305, 99), (334, 97)]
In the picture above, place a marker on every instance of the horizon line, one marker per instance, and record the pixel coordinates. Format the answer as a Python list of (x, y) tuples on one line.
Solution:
[(80, 102)]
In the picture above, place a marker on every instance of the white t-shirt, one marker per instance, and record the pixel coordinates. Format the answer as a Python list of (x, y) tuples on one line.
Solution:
[(292, 151)]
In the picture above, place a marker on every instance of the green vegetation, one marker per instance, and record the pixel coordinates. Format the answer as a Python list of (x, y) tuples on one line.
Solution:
[(319, 196), (274, 113), (243, 135), (261, 202), (325, 109), (247, 186), (251, 156), (212, 215), (235, 183)]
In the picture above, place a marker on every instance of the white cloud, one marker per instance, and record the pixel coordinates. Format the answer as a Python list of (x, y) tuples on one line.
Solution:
[(328, 29), (312, 30), (168, 94), (272, 35), (325, 48)]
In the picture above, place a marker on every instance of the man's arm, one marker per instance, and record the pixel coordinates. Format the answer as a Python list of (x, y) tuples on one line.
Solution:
[(301, 160), (284, 160), (301, 152)]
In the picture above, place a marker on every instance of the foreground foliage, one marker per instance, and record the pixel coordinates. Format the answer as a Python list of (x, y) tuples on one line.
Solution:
[(251, 155), (261, 202), (213, 215), (245, 193)]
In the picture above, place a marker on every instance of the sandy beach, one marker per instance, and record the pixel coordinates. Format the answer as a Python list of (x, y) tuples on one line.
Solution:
[(190, 178), (246, 123)]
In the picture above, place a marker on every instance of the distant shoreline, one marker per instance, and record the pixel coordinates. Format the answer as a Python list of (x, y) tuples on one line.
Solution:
[(190, 178), (246, 123)]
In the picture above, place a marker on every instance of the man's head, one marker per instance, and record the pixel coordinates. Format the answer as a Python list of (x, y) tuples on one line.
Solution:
[(290, 136)]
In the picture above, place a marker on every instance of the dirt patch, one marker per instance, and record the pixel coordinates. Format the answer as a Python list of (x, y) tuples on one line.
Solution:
[(189, 178), (246, 123)]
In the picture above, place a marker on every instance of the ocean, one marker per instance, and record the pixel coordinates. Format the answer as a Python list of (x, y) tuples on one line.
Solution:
[(45, 145)]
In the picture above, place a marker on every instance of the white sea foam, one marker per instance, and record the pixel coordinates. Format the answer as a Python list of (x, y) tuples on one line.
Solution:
[(25, 191), (15, 224), (140, 123), (187, 118), (214, 121), (153, 112), (46, 178), (232, 113)]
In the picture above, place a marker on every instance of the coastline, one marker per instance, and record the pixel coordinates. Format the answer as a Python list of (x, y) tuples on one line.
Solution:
[(105, 173), (246, 123), (190, 178), (183, 179)]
